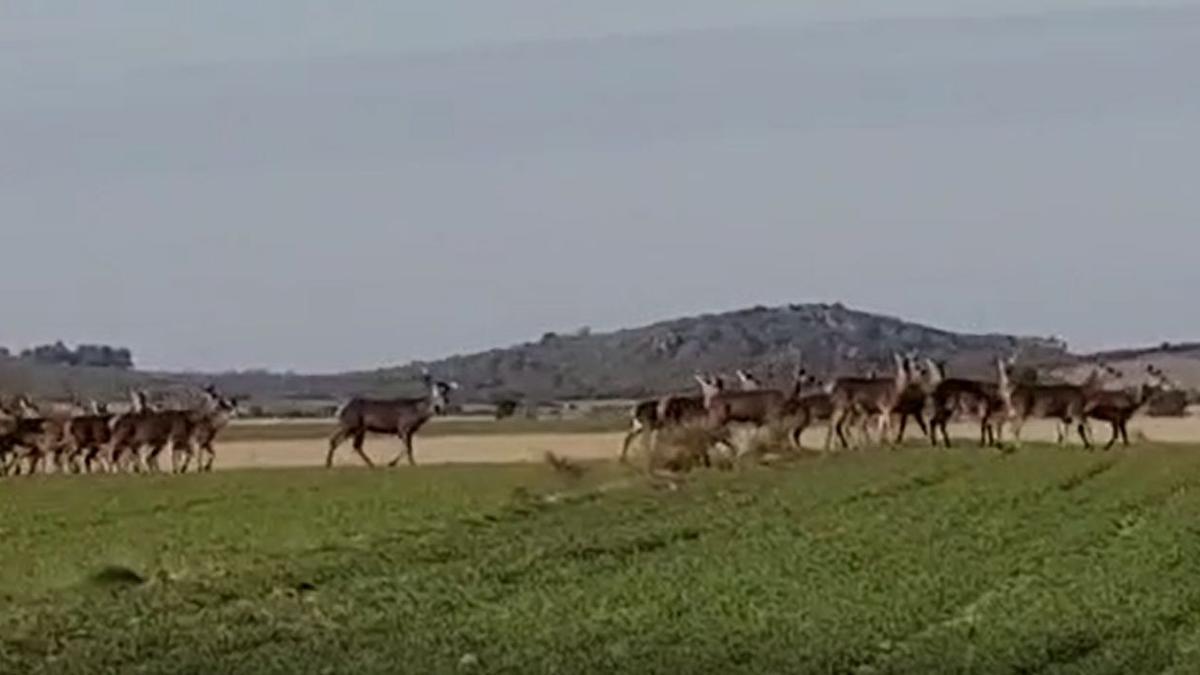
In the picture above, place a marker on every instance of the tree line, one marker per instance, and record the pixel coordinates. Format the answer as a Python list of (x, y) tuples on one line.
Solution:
[(96, 356)]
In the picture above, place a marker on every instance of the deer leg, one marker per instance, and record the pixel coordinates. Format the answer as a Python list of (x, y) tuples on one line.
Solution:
[(1116, 432), (841, 432), (337, 439), (1084, 431), (920, 419), (359, 437), (864, 429), (408, 448), (210, 456), (187, 462), (1016, 431), (629, 439), (181, 456), (797, 430), (903, 428), (89, 457), (939, 421), (152, 457), (885, 428)]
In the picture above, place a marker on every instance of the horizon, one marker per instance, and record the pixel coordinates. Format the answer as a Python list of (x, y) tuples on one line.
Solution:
[(232, 188), (533, 339)]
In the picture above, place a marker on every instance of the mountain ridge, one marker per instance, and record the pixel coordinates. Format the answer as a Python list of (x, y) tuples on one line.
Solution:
[(655, 358)]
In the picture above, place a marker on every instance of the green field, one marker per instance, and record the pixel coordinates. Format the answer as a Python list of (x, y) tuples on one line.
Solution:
[(917, 561)]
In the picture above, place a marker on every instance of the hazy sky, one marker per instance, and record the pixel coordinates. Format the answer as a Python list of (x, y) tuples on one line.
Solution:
[(317, 186)]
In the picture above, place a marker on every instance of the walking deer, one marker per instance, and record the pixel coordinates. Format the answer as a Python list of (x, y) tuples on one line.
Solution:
[(88, 436), (1118, 407), (1064, 403), (35, 438), (142, 426), (402, 417), (203, 425), (916, 396), (759, 407), (983, 400), (858, 396), (652, 415)]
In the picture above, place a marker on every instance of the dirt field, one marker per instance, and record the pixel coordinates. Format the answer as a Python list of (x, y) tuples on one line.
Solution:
[(526, 447)]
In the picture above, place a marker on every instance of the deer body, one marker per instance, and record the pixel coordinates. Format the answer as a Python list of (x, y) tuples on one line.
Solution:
[(1066, 403), (855, 397), (88, 435), (755, 405), (401, 417), (1118, 407)]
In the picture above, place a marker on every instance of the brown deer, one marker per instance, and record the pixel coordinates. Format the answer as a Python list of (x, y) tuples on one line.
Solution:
[(1064, 403), (652, 415), (748, 381), (144, 427), (983, 400), (759, 407), (400, 416), (88, 435), (858, 397), (9, 424), (196, 437), (36, 437), (916, 396), (809, 407), (1118, 407)]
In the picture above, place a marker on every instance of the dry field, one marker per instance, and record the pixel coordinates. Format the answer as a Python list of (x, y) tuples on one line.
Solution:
[(291, 444)]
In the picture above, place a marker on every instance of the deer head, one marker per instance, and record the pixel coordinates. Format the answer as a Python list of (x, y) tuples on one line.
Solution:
[(439, 393), (749, 382), (710, 386)]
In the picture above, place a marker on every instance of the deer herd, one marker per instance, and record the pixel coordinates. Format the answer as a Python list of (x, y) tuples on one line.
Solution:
[(95, 440), (918, 390), (92, 439)]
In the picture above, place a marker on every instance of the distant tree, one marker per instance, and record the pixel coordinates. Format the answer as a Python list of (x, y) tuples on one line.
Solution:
[(506, 408), (4, 353), (96, 356)]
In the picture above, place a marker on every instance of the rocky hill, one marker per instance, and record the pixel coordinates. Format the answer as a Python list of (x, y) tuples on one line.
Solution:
[(627, 363)]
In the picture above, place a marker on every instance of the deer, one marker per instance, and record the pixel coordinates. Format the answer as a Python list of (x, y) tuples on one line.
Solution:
[(748, 381), (857, 396), (1118, 407), (809, 407), (400, 416), (34, 437), (88, 435), (196, 437), (143, 426), (953, 395), (759, 407), (651, 415), (8, 437), (1065, 403), (916, 396)]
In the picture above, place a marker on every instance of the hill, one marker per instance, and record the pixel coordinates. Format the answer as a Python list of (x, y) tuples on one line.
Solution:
[(634, 362)]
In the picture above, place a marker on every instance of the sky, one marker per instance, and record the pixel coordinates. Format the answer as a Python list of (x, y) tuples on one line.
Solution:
[(322, 186)]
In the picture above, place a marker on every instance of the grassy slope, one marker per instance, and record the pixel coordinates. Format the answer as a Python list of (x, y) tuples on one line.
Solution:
[(917, 561)]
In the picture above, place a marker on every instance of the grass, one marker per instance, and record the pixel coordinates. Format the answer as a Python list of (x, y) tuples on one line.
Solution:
[(916, 561), (322, 429)]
